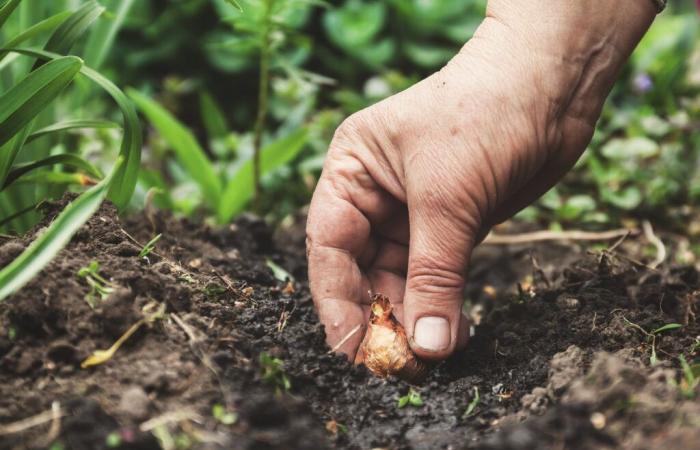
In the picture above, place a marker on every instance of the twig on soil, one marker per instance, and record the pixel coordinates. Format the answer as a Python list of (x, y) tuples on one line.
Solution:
[(547, 235), (537, 270), (55, 429), (619, 242), (345, 339), (34, 421), (595, 316), (654, 240), (284, 317), (170, 417), (195, 342)]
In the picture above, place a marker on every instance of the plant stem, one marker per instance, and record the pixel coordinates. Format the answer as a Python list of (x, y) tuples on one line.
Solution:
[(263, 91)]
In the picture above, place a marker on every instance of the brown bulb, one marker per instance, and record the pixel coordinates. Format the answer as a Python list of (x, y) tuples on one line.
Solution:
[(385, 350)]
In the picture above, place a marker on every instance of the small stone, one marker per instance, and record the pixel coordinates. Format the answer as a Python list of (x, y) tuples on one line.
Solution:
[(568, 303), (598, 420), (134, 403)]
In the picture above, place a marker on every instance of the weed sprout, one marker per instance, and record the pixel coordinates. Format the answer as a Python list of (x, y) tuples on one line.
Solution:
[(100, 288)]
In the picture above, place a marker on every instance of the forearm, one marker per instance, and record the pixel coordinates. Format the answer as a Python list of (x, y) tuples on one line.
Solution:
[(570, 51)]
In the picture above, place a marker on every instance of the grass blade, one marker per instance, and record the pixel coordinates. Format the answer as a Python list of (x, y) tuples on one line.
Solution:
[(62, 40), (71, 160), (6, 10), (49, 177), (36, 29), (124, 180), (53, 239), (240, 188), (24, 101), (102, 36), (71, 125), (212, 116), (186, 148)]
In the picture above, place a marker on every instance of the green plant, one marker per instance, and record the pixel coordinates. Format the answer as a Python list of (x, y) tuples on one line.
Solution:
[(273, 373), (226, 198), (100, 288), (472, 404), (652, 336), (29, 93), (219, 413), (691, 377), (150, 246), (412, 398)]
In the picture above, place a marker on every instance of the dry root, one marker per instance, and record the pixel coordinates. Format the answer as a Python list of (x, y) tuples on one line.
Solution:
[(385, 347)]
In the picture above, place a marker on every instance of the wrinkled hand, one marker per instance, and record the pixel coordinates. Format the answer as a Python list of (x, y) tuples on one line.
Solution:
[(411, 184)]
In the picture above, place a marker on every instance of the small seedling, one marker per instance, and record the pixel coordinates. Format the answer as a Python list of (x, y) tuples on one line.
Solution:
[(651, 337), (101, 356), (150, 246), (691, 377), (219, 413), (273, 373), (12, 333), (413, 398), (113, 440), (100, 288), (695, 346), (473, 404)]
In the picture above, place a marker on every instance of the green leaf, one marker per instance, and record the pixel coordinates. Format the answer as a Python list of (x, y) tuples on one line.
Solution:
[(35, 30), (278, 271), (212, 116), (24, 101), (124, 180), (239, 189), (186, 148), (415, 399), (403, 401), (355, 24), (6, 10), (52, 177), (53, 239), (667, 327), (102, 36), (62, 40), (71, 125), (76, 161)]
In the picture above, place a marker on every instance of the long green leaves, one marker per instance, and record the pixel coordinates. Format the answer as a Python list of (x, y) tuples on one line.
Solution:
[(71, 125), (124, 182), (72, 28), (102, 36), (36, 29), (58, 234), (186, 147), (239, 189), (19, 170), (30, 96), (6, 9)]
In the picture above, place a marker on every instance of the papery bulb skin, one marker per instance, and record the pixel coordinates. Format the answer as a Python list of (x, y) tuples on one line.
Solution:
[(385, 348)]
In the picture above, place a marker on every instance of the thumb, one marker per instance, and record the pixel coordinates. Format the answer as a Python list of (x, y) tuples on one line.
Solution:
[(439, 250)]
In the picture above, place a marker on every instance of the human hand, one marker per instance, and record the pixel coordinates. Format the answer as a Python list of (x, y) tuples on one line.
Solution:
[(411, 184)]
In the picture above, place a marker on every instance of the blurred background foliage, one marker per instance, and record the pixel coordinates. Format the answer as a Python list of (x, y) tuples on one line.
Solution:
[(197, 68)]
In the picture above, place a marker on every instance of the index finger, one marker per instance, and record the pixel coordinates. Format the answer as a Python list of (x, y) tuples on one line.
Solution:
[(337, 233)]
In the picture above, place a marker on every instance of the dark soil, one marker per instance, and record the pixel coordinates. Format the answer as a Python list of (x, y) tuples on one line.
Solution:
[(555, 362)]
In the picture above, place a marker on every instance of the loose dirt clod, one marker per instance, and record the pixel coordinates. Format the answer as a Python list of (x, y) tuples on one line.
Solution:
[(385, 347)]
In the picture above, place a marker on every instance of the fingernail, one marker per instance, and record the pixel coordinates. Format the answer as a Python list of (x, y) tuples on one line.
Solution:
[(432, 333)]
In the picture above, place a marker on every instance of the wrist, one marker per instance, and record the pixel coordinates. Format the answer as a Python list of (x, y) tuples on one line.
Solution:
[(570, 51)]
